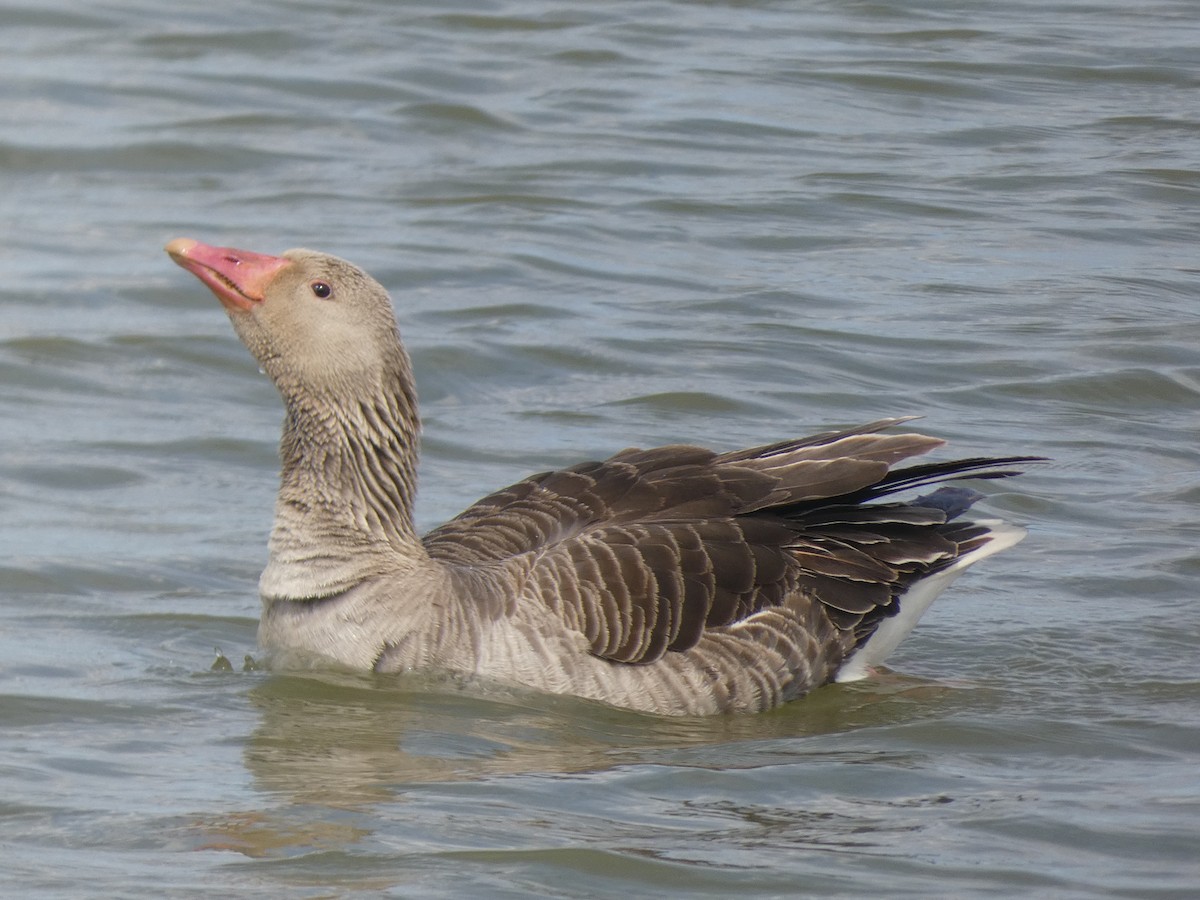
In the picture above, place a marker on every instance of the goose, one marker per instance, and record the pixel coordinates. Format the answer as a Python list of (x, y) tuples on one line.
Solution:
[(673, 581)]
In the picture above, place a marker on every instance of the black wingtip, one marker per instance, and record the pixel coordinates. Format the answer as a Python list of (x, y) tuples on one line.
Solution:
[(910, 477)]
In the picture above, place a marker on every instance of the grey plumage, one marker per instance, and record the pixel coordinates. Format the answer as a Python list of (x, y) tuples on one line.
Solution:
[(675, 580)]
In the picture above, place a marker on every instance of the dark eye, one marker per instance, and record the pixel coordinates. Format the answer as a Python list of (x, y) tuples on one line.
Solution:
[(321, 289)]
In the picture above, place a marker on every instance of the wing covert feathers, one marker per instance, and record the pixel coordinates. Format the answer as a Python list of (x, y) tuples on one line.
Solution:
[(650, 551)]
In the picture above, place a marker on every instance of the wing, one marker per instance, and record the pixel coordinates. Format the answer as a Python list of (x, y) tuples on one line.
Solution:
[(644, 551)]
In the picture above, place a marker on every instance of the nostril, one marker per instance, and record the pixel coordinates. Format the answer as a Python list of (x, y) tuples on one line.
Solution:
[(233, 259)]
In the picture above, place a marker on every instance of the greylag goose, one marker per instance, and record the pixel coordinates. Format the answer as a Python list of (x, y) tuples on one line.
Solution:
[(674, 581)]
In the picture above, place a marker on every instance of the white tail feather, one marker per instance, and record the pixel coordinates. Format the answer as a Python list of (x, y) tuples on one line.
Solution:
[(918, 599)]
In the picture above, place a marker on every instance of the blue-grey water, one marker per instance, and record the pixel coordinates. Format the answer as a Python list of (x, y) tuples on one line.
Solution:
[(603, 225)]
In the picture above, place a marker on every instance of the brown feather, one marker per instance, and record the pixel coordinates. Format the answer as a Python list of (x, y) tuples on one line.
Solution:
[(717, 538)]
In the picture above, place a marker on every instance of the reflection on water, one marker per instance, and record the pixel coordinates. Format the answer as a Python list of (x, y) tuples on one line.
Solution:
[(349, 739), (360, 743)]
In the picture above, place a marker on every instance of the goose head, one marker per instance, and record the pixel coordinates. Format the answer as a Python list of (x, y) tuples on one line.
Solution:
[(319, 326)]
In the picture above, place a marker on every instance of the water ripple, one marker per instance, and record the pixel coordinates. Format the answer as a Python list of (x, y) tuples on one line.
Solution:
[(608, 226)]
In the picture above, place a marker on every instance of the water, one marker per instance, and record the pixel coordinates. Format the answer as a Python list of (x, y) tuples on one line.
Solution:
[(604, 225)]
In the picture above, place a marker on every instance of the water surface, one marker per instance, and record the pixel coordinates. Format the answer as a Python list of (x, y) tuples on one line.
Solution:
[(604, 225)]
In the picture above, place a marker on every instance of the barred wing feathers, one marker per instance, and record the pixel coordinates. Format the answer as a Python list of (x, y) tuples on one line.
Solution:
[(645, 552)]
